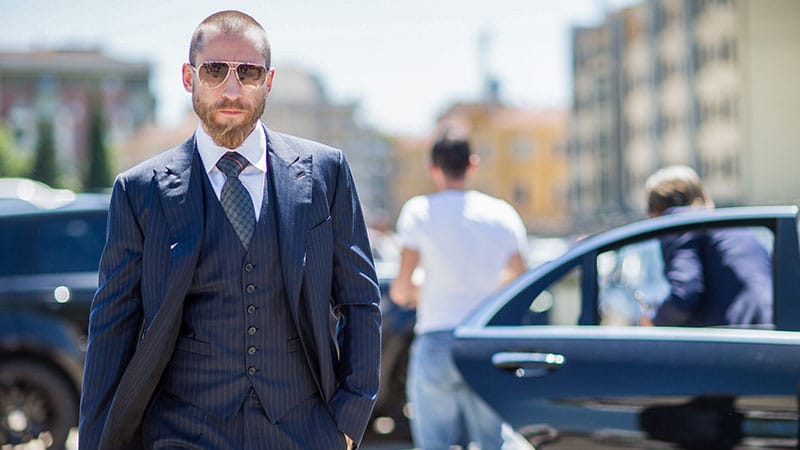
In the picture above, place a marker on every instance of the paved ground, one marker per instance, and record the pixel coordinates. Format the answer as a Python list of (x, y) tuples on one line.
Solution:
[(72, 444)]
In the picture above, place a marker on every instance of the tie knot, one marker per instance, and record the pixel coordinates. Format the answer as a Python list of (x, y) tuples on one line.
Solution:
[(232, 164)]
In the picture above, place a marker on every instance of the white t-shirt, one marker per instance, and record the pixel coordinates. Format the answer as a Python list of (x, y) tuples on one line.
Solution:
[(464, 239)]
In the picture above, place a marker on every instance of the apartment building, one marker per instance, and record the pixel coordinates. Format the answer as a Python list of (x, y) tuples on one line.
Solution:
[(706, 83), (59, 86)]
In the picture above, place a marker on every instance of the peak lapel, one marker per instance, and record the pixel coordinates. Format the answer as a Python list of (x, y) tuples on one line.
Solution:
[(291, 174)]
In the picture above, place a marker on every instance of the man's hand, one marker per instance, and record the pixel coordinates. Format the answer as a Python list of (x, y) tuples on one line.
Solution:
[(350, 443), (403, 290)]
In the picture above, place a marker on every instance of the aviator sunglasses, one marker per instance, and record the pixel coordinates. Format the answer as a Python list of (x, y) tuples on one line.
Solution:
[(212, 74)]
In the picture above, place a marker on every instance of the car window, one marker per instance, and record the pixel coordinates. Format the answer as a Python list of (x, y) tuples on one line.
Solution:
[(631, 279), (560, 303), (557, 302), (15, 235), (43, 244)]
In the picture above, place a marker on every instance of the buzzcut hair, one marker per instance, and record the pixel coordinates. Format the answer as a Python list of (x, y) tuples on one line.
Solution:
[(674, 186), (451, 153), (229, 22)]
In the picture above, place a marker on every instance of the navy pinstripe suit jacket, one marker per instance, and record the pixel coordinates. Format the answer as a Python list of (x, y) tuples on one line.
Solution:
[(155, 230)]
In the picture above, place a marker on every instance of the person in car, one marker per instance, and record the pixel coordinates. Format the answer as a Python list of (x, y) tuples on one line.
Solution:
[(717, 277)]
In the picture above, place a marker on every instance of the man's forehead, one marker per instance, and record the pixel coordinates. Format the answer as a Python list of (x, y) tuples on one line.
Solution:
[(238, 47)]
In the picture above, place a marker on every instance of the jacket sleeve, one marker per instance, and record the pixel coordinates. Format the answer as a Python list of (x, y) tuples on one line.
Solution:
[(683, 267), (115, 319), (356, 300)]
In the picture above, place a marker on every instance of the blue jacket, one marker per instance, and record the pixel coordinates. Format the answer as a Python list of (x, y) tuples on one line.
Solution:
[(717, 277), (155, 230)]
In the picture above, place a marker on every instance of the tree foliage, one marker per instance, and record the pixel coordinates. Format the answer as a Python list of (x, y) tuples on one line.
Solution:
[(12, 162), (45, 166), (98, 174)]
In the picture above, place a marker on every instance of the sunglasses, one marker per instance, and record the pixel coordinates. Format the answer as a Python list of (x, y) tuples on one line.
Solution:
[(213, 74)]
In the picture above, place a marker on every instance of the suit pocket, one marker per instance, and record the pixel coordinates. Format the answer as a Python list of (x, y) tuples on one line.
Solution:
[(293, 345), (190, 345), (320, 223)]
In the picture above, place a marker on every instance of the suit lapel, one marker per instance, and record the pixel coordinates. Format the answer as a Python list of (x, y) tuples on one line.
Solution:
[(291, 175), (180, 204), (179, 189)]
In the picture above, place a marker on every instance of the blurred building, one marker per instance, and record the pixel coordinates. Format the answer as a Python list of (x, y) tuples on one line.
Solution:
[(299, 105), (410, 159), (523, 159), (59, 86), (708, 83)]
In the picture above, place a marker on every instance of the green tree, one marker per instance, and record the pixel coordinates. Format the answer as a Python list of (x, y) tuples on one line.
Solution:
[(98, 175), (45, 167), (11, 163)]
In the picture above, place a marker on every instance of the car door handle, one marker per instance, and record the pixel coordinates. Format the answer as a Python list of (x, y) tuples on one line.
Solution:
[(528, 364)]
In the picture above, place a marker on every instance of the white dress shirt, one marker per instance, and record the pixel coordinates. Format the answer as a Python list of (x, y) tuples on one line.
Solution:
[(254, 148)]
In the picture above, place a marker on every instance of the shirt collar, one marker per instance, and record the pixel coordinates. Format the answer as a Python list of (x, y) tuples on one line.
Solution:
[(253, 148)]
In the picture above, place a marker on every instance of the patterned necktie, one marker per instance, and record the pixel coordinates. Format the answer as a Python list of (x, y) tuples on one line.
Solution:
[(235, 199)]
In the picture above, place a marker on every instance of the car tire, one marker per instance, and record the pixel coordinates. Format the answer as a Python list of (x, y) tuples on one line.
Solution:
[(36, 402)]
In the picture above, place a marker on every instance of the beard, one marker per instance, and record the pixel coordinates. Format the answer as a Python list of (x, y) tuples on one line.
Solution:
[(230, 134)]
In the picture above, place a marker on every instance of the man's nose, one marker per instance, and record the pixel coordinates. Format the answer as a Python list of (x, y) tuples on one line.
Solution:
[(232, 88)]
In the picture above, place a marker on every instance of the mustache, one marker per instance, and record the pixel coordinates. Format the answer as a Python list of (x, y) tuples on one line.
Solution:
[(230, 104)]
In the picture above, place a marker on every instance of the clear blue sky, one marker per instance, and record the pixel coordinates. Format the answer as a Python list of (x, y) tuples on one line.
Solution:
[(402, 61)]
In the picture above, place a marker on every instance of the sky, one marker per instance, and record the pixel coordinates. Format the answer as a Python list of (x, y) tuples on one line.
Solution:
[(402, 62)]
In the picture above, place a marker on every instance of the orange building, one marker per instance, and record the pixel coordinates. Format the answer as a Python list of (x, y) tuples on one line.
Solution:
[(523, 159), (409, 177)]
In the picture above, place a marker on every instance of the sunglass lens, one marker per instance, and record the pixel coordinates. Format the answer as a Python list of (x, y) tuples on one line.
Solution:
[(251, 74), (213, 73)]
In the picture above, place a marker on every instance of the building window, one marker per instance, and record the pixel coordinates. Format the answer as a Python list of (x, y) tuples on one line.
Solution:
[(520, 194), (522, 148)]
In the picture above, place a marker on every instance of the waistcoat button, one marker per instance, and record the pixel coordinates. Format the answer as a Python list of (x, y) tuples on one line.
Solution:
[(252, 330), (248, 267), (250, 288), (252, 350), (251, 370), (251, 309)]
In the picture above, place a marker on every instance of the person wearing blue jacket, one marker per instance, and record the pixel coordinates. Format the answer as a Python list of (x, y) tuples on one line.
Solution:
[(717, 277)]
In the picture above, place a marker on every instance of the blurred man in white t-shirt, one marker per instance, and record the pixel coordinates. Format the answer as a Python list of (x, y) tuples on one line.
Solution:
[(469, 244)]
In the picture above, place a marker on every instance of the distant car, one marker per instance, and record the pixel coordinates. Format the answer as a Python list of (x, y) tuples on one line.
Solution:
[(559, 355), (23, 194), (48, 276)]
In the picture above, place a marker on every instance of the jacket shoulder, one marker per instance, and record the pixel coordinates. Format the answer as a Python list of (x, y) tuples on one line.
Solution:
[(145, 170), (303, 146)]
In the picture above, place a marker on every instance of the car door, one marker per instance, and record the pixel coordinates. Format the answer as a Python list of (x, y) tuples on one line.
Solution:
[(562, 362)]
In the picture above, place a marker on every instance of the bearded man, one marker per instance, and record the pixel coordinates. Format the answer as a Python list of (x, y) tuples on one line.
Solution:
[(227, 260)]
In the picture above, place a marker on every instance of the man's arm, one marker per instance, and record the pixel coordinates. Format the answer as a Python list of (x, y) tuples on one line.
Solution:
[(514, 268), (115, 318), (356, 299), (683, 268), (402, 290)]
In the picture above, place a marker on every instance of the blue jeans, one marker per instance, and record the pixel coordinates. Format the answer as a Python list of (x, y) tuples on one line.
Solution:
[(444, 409)]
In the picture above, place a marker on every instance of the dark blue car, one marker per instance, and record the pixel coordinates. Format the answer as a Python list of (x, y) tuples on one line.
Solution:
[(560, 356)]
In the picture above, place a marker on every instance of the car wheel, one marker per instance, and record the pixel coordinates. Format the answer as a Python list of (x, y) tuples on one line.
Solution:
[(36, 404)]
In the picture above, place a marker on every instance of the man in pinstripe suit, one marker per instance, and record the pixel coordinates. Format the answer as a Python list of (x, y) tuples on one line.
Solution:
[(238, 303)]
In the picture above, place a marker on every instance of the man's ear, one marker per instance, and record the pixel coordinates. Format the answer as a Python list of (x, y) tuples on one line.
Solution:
[(270, 77), (474, 162), (187, 73)]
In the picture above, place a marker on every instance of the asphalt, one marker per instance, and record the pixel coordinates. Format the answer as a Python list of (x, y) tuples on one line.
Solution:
[(72, 444)]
